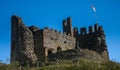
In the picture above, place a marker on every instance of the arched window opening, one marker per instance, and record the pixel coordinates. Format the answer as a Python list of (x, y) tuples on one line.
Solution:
[(58, 49), (49, 52)]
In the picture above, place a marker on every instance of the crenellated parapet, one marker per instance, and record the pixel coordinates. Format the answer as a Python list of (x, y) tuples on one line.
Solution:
[(83, 31), (93, 38), (75, 32), (96, 26), (91, 30)]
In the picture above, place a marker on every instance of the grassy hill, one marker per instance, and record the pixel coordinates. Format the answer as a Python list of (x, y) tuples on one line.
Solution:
[(66, 65)]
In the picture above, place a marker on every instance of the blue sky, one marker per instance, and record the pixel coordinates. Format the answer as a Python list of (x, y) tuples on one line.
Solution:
[(50, 13)]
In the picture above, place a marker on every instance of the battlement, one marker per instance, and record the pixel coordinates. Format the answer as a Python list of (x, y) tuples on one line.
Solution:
[(75, 30), (91, 30), (52, 30), (56, 32)]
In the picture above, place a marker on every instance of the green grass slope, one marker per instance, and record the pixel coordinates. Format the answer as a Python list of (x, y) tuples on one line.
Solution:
[(66, 65)]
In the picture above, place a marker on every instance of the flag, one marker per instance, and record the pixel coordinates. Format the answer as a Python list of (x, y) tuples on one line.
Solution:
[(93, 7)]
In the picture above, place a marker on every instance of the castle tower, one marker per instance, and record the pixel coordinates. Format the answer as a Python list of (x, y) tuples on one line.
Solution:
[(67, 26), (22, 44), (14, 28)]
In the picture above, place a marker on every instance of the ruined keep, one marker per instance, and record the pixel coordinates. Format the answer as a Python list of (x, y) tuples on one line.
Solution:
[(32, 44)]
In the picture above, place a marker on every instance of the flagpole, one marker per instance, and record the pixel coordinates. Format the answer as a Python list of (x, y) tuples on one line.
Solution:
[(96, 18), (94, 11)]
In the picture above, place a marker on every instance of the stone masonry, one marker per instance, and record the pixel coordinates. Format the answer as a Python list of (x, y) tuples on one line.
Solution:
[(32, 44)]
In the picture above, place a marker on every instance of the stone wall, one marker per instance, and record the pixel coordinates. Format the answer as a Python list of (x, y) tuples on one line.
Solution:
[(55, 41), (75, 55)]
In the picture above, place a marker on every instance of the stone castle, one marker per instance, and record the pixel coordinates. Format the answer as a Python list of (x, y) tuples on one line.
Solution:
[(32, 44)]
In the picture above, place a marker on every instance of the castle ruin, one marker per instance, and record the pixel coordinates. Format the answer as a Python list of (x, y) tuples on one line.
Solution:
[(32, 44)]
